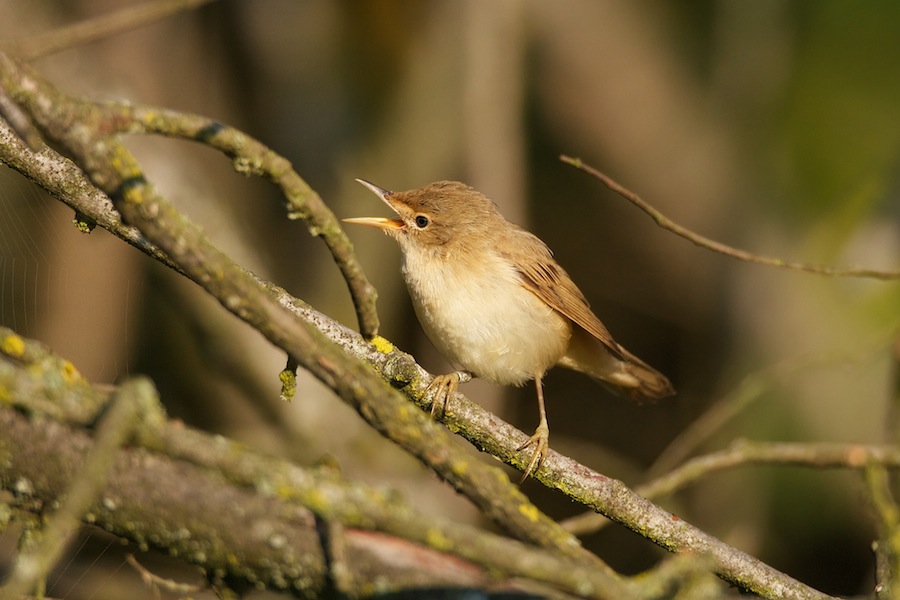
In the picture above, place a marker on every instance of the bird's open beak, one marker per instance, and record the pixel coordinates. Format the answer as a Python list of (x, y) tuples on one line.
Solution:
[(380, 222)]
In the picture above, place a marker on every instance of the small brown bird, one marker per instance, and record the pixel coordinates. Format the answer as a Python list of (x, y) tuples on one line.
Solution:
[(495, 303)]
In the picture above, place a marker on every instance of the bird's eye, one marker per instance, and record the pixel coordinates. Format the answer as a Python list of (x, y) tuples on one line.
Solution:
[(422, 221)]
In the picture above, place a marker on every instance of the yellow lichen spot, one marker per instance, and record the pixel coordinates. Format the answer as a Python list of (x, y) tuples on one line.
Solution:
[(12, 345), (284, 492), (382, 345), (437, 540), (530, 511), (83, 224), (69, 372), (317, 501), (288, 380), (134, 196), (460, 467)]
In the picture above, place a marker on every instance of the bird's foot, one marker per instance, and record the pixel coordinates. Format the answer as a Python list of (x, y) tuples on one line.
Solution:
[(442, 387), (541, 441)]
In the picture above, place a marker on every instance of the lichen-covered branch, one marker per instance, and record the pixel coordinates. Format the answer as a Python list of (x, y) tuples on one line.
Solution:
[(34, 563), (251, 157), (232, 532), (43, 392), (86, 130), (608, 497)]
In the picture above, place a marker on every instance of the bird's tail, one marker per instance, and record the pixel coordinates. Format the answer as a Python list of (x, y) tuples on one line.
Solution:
[(639, 381), (622, 372)]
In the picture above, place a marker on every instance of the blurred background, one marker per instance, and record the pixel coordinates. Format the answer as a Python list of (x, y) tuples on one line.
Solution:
[(770, 125)]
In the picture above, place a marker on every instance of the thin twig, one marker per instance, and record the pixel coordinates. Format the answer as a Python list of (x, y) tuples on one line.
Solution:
[(97, 28), (705, 242), (743, 453), (19, 121), (156, 582), (750, 388)]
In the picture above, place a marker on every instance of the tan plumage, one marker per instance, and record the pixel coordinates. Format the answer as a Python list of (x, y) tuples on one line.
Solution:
[(610, 363), (493, 300)]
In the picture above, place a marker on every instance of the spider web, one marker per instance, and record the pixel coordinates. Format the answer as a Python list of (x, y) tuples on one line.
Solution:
[(69, 290), (54, 281)]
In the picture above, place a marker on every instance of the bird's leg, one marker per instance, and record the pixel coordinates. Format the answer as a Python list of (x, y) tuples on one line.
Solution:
[(442, 387), (541, 437)]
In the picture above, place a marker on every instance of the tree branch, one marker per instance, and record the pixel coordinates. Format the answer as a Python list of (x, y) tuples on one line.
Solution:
[(223, 471), (705, 242), (251, 157), (245, 537), (745, 453), (33, 564)]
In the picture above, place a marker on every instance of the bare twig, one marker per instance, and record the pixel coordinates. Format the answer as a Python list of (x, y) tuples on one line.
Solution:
[(743, 453), (19, 121), (97, 28), (740, 453), (750, 388), (156, 582), (705, 242)]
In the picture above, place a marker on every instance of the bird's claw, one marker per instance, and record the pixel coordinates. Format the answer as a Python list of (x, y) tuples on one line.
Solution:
[(442, 387), (541, 441)]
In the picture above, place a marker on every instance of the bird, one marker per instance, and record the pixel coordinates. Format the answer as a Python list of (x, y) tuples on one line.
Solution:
[(495, 303)]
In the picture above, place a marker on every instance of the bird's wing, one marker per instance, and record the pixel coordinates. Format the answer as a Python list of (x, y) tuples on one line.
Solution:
[(543, 276)]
